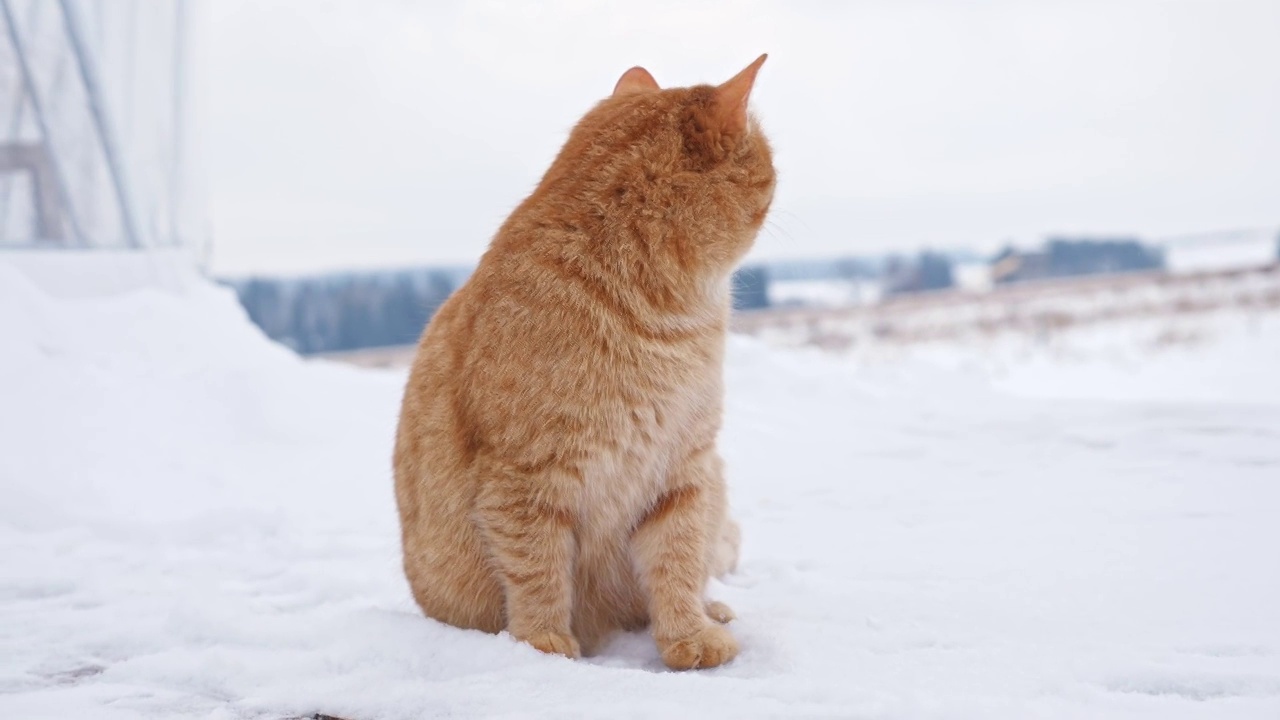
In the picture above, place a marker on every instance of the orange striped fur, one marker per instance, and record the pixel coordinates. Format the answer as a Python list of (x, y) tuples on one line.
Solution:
[(555, 464)]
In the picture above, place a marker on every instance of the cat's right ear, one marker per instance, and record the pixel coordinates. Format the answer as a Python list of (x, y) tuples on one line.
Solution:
[(731, 97), (635, 80)]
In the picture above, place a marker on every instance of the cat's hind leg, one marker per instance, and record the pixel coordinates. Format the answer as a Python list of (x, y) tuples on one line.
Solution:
[(607, 596)]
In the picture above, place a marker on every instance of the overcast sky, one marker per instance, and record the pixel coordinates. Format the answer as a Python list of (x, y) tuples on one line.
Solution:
[(376, 133)]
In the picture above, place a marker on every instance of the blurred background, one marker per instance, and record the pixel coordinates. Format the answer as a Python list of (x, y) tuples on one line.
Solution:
[(342, 165), (1001, 411)]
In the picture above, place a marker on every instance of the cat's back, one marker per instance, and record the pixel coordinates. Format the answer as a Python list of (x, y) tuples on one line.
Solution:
[(542, 345)]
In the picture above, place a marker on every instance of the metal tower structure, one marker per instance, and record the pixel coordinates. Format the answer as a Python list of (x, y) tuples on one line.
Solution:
[(93, 124)]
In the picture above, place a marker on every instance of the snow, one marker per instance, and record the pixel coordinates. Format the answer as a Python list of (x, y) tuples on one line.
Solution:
[(197, 523), (1222, 251), (1209, 337), (1227, 357), (825, 293)]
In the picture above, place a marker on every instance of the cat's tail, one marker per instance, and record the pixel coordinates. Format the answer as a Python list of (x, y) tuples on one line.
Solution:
[(724, 552)]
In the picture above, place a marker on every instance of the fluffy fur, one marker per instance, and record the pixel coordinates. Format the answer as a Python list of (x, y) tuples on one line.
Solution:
[(555, 464)]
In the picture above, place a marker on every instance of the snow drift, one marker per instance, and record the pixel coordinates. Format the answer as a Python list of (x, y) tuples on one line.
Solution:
[(197, 523)]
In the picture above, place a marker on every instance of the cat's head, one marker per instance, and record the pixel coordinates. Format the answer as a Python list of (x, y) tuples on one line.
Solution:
[(687, 168)]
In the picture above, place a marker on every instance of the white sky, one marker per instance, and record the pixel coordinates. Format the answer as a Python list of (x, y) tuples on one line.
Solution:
[(375, 133)]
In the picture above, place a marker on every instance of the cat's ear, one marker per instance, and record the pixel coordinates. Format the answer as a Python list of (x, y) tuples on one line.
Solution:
[(635, 80), (731, 97)]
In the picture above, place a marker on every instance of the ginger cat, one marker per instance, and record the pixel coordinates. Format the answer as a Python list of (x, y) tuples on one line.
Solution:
[(555, 464)]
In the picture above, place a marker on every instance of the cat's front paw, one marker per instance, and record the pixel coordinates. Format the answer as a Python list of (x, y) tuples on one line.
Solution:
[(709, 647), (554, 644)]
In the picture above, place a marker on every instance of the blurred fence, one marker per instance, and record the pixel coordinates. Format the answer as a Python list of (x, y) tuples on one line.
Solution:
[(94, 131)]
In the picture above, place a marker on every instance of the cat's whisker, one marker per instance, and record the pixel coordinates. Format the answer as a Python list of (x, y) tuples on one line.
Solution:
[(777, 230)]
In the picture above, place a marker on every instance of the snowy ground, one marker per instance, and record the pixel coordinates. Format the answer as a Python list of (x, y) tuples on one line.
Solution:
[(195, 523), (1212, 337)]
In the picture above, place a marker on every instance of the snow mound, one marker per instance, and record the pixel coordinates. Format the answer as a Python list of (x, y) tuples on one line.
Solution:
[(197, 523)]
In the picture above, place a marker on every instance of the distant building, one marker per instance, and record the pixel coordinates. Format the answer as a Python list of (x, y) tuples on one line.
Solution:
[(926, 271), (1070, 258), (1013, 265)]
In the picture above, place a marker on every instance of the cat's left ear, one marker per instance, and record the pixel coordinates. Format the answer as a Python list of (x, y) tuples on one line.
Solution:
[(637, 79), (731, 97)]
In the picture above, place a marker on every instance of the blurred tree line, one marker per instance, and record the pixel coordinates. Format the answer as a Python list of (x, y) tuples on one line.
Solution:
[(926, 271), (347, 311), (751, 288), (350, 311)]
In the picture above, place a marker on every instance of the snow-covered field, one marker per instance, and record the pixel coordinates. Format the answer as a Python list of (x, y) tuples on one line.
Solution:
[(196, 523), (1212, 336)]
